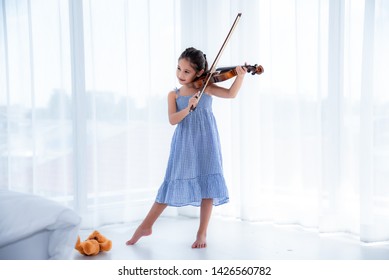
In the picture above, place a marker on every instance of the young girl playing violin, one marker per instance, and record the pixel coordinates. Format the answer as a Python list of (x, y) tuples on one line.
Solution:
[(194, 174)]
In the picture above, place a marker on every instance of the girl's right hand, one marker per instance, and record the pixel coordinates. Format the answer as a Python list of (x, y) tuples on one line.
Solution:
[(193, 101)]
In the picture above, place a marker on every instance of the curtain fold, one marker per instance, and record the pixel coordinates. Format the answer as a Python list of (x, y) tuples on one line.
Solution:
[(83, 106)]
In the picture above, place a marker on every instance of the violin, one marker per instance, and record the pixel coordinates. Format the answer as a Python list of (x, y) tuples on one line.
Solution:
[(224, 73)]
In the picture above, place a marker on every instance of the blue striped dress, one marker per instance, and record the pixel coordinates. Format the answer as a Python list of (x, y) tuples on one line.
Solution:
[(194, 168)]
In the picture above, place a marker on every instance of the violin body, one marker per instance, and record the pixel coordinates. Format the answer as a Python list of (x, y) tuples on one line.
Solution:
[(224, 73)]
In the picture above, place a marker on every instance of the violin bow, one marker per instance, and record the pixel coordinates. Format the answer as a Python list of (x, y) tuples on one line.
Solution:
[(213, 67)]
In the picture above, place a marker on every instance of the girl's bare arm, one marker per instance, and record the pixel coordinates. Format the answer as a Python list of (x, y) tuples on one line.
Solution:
[(231, 92)]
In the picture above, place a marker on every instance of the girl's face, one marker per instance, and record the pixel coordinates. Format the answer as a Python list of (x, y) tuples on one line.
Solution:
[(185, 72)]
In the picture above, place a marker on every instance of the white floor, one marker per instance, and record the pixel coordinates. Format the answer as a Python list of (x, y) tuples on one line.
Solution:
[(234, 240)]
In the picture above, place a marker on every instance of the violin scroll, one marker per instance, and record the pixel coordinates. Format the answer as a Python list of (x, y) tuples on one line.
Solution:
[(255, 69)]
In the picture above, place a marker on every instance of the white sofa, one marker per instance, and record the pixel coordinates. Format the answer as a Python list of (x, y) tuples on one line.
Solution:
[(33, 227)]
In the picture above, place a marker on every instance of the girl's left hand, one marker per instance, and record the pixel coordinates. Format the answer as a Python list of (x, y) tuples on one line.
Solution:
[(241, 70)]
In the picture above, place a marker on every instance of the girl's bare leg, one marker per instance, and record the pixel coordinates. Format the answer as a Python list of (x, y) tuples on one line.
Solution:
[(205, 215), (145, 228)]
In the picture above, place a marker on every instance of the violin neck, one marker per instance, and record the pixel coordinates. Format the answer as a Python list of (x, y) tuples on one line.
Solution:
[(225, 69), (253, 69)]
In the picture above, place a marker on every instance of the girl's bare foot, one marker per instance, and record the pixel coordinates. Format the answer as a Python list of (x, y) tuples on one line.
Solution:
[(201, 242), (140, 232)]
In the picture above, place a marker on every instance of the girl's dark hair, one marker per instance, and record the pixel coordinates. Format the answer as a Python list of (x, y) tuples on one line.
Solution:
[(197, 59)]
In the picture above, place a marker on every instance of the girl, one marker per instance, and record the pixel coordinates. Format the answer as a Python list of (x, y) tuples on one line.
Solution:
[(194, 174)]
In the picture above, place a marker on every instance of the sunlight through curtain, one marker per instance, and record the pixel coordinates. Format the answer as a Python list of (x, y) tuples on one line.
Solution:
[(83, 110), (83, 102), (307, 142)]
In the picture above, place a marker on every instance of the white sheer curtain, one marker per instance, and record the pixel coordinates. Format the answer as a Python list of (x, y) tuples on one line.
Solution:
[(35, 98), (307, 142), (83, 102), (130, 58), (83, 116)]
